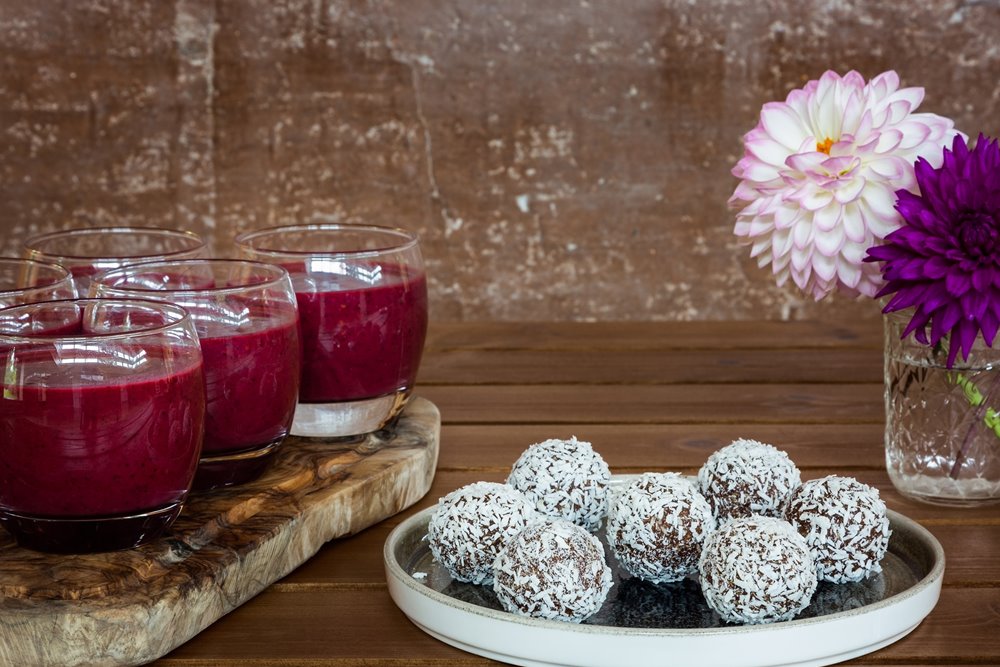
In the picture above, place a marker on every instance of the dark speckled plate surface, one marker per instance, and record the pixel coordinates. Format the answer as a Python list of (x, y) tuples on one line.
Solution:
[(643, 619)]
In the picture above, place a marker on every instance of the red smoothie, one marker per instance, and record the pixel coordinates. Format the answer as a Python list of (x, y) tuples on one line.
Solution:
[(360, 340), (125, 443), (250, 386)]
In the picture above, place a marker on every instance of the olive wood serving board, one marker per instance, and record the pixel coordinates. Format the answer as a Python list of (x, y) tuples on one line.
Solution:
[(130, 607)]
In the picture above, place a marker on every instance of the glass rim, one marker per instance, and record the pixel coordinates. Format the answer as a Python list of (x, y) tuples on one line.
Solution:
[(65, 276), (410, 239), (31, 244), (278, 275), (182, 317)]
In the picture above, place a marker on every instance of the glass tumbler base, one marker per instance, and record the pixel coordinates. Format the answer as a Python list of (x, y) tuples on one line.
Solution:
[(339, 420), (231, 468), (88, 535)]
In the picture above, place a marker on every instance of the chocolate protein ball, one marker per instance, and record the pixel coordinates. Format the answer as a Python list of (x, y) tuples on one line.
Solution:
[(471, 524), (844, 523), (757, 570), (552, 569), (657, 525), (566, 479), (747, 478)]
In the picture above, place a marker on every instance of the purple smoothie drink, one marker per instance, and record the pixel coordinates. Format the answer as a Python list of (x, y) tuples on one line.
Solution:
[(360, 342), (362, 297), (101, 422), (247, 323)]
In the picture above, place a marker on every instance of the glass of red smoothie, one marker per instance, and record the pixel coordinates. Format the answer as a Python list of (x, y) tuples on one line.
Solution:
[(247, 322), (28, 281), (101, 421), (87, 252), (362, 295)]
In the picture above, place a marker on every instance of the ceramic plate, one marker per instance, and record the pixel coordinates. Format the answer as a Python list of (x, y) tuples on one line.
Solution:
[(644, 624)]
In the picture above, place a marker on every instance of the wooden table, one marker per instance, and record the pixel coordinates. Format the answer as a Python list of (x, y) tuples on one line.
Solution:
[(650, 396)]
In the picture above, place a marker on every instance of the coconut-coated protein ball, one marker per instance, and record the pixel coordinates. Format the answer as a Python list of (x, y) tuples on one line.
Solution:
[(657, 525), (844, 522), (747, 478), (552, 569), (566, 479), (757, 570), (471, 525)]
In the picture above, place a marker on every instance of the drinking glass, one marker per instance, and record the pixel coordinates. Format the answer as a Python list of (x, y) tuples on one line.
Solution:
[(101, 421), (362, 296), (28, 281), (247, 322), (87, 252)]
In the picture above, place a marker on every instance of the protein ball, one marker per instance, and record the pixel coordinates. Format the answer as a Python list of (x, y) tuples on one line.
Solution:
[(757, 570), (552, 569), (657, 525), (471, 525), (747, 478), (844, 523), (566, 479)]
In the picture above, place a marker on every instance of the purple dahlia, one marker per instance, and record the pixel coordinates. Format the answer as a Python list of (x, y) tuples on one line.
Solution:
[(945, 259)]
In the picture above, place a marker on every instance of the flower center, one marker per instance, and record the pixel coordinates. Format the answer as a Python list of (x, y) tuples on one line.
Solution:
[(978, 233), (824, 146)]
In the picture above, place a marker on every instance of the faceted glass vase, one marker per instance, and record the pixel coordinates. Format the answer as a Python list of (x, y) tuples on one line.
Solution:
[(942, 430)]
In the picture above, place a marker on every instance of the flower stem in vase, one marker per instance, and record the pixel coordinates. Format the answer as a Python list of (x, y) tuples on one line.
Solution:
[(982, 414)]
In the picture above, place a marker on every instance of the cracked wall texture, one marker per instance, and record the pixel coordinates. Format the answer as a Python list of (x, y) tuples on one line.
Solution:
[(561, 160)]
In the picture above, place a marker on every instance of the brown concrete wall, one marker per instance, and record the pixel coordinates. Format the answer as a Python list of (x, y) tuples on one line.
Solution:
[(562, 159)]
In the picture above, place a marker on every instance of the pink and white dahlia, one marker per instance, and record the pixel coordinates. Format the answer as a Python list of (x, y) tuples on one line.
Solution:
[(819, 176)]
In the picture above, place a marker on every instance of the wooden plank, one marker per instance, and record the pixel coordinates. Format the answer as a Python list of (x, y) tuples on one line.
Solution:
[(362, 623), (651, 366), (669, 404), (129, 607), (743, 335), (636, 446)]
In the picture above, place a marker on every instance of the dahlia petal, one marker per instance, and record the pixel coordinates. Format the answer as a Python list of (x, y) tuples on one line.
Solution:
[(848, 273), (888, 140), (827, 217), (854, 228), (944, 321), (825, 266), (782, 124), (914, 96), (831, 242), (759, 226), (785, 216), (855, 252), (957, 283), (914, 134), (989, 323), (850, 190), (807, 162), (816, 200), (898, 110), (881, 201), (760, 171), (802, 234), (967, 331), (800, 259), (936, 268), (782, 242), (760, 245), (890, 168), (973, 305), (767, 150), (982, 279)]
